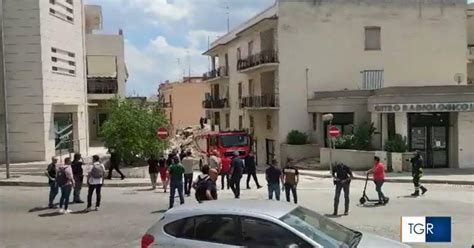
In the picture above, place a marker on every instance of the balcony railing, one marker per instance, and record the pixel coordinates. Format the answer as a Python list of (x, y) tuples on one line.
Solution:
[(102, 89), (264, 57), (265, 101), (470, 49), (215, 103), (218, 72)]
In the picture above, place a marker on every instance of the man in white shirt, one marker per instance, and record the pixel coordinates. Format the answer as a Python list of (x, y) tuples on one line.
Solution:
[(95, 180), (214, 161), (189, 163)]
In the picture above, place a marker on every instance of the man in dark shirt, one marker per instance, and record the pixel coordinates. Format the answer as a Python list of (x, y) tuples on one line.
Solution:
[(236, 170), (342, 175), (206, 189), (176, 172), (53, 186), (251, 170), (115, 160), (290, 179), (78, 174), (273, 176)]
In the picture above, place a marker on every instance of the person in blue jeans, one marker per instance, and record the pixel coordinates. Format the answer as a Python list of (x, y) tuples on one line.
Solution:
[(273, 176), (290, 180), (53, 186), (65, 180), (175, 175)]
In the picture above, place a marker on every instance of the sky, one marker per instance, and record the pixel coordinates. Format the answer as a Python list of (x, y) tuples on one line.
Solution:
[(164, 37)]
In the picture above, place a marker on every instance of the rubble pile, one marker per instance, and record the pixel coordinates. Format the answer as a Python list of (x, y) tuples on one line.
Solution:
[(188, 139)]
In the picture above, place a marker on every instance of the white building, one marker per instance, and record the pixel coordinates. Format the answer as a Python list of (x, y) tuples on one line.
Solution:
[(106, 70), (297, 60), (45, 77)]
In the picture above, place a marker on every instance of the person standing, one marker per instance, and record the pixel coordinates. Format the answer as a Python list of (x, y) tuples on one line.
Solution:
[(95, 179), (236, 170), (176, 172), (206, 189), (189, 162), (203, 176), (224, 171), (251, 169), (153, 169), (342, 175), (53, 186), (65, 180), (290, 179), (273, 176), (163, 169), (115, 164), (214, 160), (379, 177), (78, 173), (417, 173)]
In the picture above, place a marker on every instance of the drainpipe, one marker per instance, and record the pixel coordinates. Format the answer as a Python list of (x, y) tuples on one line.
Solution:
[(5, 103)]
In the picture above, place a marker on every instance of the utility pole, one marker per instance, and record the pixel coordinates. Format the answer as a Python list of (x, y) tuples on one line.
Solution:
[(5, 96)]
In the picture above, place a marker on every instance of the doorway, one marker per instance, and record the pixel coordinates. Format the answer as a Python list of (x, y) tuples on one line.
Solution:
[(63, 130), (101, 118), (270, 147), (429, 134)]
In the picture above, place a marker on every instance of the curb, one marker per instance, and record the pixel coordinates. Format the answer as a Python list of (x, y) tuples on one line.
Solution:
[(397, 180), (45, 184)]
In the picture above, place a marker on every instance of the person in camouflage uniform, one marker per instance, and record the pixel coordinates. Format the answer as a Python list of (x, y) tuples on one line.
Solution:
[(417, 173)]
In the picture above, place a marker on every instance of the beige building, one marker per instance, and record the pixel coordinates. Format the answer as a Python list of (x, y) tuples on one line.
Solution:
[(106, 69), (45, 78), (297, 60), (182, 101)]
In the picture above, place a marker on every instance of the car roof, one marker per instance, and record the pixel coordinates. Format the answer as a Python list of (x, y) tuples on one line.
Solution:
[(273, 209)]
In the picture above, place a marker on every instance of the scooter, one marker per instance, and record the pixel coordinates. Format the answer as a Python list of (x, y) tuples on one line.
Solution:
[(365, 198)]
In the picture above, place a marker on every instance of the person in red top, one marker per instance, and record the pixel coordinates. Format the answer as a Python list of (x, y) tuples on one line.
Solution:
[(379, 178), (224, 171)]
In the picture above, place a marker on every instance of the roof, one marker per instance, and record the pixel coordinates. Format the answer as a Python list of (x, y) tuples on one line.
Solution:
[(273, 209)]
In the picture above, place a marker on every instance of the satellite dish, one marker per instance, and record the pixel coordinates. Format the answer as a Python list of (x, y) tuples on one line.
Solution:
[(459, 78)]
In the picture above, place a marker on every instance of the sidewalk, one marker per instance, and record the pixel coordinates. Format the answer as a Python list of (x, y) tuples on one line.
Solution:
[(436, 176), (42, 181)]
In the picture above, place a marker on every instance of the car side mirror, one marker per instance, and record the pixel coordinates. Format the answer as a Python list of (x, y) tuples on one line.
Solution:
[(292, 246)]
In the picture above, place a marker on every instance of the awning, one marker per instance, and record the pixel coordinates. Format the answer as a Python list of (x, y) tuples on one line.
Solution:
[(101, 66)]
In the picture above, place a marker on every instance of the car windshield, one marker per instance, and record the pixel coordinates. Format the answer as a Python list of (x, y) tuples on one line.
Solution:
[(320, 229), (234, 140)]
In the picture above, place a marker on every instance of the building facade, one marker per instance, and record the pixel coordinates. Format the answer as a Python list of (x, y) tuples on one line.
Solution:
[(285, 70), (45, 79), (182, 101), (106, 69)]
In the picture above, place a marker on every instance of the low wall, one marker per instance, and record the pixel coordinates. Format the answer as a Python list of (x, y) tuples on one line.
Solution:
[(298, 152), (357, 160)]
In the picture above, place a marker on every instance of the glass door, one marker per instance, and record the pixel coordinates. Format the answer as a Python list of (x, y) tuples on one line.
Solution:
[(419, 141), (270, 145), (438, 147)]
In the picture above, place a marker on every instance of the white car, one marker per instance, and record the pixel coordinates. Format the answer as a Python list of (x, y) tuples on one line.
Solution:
[(254, 223)]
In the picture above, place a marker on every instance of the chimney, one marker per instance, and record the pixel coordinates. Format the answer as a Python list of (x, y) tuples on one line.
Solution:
[(120, 32)]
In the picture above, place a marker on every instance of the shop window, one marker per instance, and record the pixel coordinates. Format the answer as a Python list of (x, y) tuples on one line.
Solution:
[(343, 121), (372, 39), (391, 125)]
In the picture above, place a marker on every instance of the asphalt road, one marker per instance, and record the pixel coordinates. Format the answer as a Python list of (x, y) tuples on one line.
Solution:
[(126, 213)]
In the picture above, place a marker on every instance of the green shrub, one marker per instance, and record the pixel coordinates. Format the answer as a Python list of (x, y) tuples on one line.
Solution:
[(296, 137), (344, 142), (396, 144), (363, 136)]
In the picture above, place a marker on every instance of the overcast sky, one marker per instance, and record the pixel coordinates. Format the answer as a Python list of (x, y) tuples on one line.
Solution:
[(163, 36)]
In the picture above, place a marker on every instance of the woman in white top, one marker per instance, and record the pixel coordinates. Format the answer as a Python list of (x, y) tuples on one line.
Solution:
[(95, 180)]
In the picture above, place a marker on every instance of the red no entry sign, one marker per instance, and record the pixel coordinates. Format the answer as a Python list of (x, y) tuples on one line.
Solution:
[(334, 132), (162, 133)]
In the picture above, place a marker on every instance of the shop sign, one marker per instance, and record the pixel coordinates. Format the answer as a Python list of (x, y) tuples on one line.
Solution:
[(425, 107)]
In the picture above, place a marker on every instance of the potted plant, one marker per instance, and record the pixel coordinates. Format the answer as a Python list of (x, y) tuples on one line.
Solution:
[(396, 147)]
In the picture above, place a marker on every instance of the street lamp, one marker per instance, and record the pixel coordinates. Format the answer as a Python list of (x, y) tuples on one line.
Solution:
[(329, 118)]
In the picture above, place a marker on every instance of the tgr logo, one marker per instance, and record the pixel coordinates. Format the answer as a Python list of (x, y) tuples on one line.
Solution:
[(425, 229)]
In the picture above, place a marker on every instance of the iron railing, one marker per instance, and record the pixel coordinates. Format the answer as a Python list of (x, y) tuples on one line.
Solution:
[(218, 72), (265, 101), (102, 89), (264, 57), (215, 103)]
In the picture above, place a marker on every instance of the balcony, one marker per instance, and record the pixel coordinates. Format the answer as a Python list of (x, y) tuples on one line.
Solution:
[(101, 89), (215, 103), (216, 74), (269, 101), (267, 59), (470, 52)]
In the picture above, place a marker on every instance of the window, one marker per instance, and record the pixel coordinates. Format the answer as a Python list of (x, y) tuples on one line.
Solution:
[(372, 39), (53, 50), (227, 121), (52, 1), (62, 64), (240, 90), (226, 65), (55, 68), (72, 55), (218, 229), (250, 47), (372, 79), (54, 59), (240, 123), (72, 63), (52, 11), (269, 122), (239, 53), (251, 89), (315, 121), (69, 18), (69, 1), (261, 233), (175, 228), (251, 122)]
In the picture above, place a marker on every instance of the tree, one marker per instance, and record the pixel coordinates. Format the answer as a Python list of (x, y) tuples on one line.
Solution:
[(130, 129)]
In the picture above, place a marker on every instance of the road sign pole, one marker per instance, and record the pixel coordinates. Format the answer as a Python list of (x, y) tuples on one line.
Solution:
[(330, 148)]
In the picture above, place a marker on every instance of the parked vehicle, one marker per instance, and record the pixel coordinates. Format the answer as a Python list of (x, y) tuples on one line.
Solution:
[(254, 223)]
